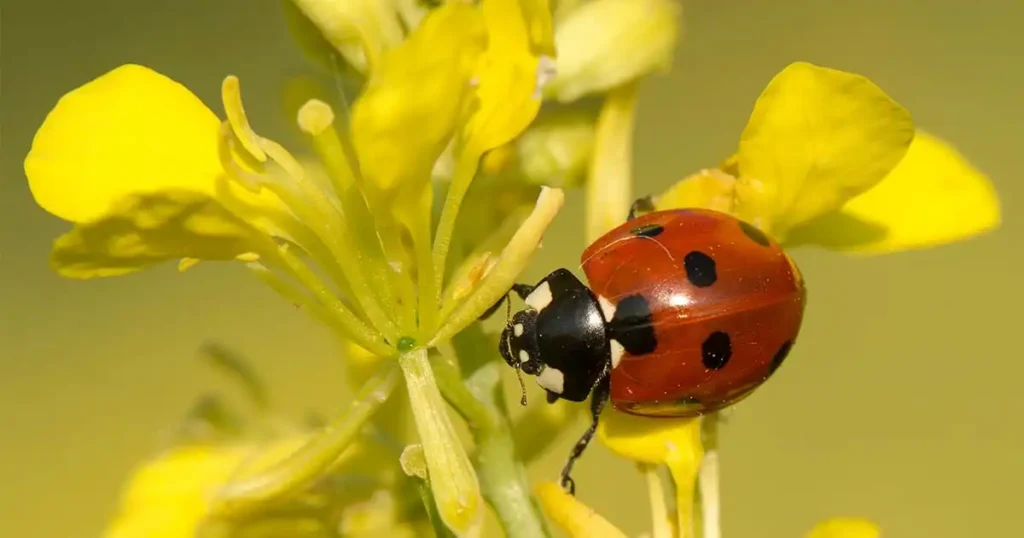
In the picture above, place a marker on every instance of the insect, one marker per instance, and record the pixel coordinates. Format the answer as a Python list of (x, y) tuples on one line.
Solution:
[(688, 311)]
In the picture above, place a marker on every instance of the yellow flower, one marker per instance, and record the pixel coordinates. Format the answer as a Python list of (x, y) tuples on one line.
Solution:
[(147, 174), (828, 158), (170, 496)]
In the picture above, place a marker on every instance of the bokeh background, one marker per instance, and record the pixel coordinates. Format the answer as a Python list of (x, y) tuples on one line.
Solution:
[(902, 402)]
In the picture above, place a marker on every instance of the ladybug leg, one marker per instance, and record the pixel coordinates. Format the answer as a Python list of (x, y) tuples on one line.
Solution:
[(522, 290), (598, 398), (641, 206)]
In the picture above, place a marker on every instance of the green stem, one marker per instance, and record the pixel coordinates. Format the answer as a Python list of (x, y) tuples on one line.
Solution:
[(313, 458), (321, 302), (708, 480), (465, 170), (503, 480), (610, 185)]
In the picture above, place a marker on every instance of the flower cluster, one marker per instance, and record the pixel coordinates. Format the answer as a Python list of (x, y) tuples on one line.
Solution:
[(405, 220)]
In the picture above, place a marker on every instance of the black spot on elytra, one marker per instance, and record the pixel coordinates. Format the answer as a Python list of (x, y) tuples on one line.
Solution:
[(780, 356), (700, 269), (632, 325), (716, 350), (647, 230), (755, 234)]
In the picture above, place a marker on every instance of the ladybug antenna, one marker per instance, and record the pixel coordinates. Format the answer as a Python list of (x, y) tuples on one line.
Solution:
[(517, 367)]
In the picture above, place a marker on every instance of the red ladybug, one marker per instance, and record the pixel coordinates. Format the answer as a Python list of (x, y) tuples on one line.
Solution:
[(688, 311)]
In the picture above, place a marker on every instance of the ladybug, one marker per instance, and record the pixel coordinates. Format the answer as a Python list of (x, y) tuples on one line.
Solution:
[(688, 311)]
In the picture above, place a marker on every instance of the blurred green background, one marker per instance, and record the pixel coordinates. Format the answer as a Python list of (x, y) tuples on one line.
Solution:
[(901, 403)]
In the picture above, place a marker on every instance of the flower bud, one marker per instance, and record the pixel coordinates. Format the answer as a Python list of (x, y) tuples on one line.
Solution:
[(606, 43), (356, 29), (453, 481), (556, 151)]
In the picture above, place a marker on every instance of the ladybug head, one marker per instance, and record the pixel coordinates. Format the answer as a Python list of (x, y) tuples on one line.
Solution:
[(560, 337)]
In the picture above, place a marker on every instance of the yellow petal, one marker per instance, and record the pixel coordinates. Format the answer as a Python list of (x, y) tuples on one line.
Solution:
[(169, 496), (415, 98), (845, 527), (934, 196), (130, 131), (674, 442), (578, 520), (817, 137), (606, 43), (651, 441), (140, 231), (358, 29), (513, 71), (709, 189)]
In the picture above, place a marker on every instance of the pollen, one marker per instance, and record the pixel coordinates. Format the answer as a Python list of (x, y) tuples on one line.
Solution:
[(315, 116)]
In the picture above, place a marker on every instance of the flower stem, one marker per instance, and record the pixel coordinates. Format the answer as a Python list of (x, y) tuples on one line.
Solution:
[(322, 302), (661, 524), (465, 170), (709, 496), (502, 477), (513, 260), (609, 187), (313, 458), (708, 479)]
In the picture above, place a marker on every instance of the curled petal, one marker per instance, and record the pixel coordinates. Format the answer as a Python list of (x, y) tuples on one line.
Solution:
[(515, 67), (414, 99), (934, 196), (845, 527), (140, 231), (817, 138), (132, 131)]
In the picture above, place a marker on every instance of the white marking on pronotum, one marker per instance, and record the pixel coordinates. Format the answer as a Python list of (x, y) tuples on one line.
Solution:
[(552, 379), (540, 297), (617, 351), (524, 356), (518, 329), (607, 308)]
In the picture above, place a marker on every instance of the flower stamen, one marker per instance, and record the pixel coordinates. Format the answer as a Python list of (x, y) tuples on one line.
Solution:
[(231, 95)]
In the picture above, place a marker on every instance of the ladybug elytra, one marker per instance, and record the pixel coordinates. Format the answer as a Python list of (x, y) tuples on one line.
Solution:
[(687, 312)]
